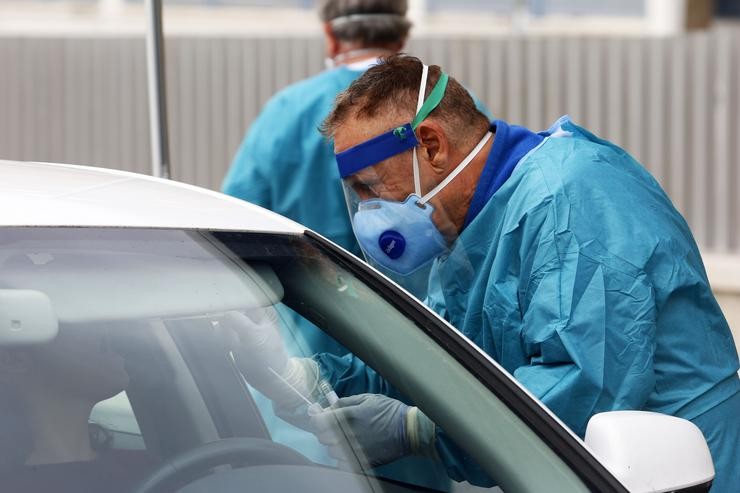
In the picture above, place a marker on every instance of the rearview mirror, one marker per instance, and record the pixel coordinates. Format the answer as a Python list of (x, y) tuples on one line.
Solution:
[(26, 318), (650, 452)]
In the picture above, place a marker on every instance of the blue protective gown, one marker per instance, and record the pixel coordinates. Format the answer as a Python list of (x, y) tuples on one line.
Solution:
[(582, 280)]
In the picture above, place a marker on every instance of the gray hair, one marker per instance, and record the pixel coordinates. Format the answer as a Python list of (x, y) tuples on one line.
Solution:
[(370, 22)]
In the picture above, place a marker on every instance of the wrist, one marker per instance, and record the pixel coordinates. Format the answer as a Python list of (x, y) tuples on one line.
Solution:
[(299, 376), (420, 433)]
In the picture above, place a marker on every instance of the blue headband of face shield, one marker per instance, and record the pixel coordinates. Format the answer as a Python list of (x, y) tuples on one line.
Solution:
[(390, 143), (376, 150)]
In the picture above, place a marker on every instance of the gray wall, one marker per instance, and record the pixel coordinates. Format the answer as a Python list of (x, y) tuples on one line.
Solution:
[(674, 103)]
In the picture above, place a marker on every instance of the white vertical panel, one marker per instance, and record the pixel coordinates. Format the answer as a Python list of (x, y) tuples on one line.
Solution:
[(453, 59), (534, 99), (104, 105), (141, 112), (250, 76), (281, 64), (477, 64), (554, 81), (78, 90), (266, 85), (28, 98), (720, 187), (734, 205), (316, 54), (635, 105), (235, 95), (56, 108), (701, 152), (186, 122), (573, 79), (656, 105), (495, 89), (36, 73), (219, 155), (202, 110), (8, 54), (172, 66), (615, 96), (594, 86), (678, 147), (514, 96)]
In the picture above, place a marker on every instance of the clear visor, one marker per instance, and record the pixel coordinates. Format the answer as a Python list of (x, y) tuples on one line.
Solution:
[(394, 228), (393, 221)]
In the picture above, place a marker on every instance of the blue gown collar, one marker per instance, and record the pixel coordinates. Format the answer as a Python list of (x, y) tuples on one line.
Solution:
[(510, 145)]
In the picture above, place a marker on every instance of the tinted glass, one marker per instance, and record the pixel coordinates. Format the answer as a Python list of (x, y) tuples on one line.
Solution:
[(121, 350)]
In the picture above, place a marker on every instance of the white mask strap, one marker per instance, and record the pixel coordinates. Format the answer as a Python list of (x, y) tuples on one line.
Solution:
[(460, 167), (419, 104)]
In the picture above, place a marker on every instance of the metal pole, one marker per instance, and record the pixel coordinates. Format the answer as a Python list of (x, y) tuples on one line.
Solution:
[(157, 91)]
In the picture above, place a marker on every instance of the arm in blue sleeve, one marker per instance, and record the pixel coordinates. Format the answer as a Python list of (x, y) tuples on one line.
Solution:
[(587, 334), (459, 465), (349, 375)]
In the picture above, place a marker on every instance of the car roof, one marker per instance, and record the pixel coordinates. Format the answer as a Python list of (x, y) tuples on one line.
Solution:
[(45, 194)]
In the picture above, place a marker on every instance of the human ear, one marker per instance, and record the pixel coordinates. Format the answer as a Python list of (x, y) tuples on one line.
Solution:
[(332, 43), (434, 145)]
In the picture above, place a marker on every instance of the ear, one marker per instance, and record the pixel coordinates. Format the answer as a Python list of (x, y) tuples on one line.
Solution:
[(332, 43), (435, 146), (398, 47)]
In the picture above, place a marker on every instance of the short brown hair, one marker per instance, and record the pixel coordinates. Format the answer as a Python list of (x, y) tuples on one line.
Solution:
[(393, 86)]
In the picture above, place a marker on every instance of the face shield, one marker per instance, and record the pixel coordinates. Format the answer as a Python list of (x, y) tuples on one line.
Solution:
[(398, 235)]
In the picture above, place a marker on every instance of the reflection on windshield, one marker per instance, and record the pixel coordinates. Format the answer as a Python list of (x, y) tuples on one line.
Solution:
[(220, 349)]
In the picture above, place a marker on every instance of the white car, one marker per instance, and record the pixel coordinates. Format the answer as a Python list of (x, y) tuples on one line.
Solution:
[(117, 284)]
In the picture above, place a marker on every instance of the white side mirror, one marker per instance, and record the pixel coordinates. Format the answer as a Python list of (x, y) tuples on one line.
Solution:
[(651, 452)]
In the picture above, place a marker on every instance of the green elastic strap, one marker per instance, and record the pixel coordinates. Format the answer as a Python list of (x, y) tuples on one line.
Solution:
[(432, 101)]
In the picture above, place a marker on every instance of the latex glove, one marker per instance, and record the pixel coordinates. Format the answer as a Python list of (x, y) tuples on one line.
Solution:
[(383, 429), (260, 354)]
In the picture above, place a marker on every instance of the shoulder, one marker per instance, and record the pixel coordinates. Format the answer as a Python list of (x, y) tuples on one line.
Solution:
[(320, 89)]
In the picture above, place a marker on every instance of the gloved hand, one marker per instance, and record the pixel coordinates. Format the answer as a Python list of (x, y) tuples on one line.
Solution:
[(260, 354), (383, 429)]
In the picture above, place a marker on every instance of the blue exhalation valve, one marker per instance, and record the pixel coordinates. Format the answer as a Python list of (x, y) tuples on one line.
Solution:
[(392, 243)]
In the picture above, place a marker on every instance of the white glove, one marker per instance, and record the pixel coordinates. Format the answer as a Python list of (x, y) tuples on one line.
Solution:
[(260, 354)]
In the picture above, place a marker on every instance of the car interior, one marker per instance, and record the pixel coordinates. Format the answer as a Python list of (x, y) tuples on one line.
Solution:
[(130, 323)]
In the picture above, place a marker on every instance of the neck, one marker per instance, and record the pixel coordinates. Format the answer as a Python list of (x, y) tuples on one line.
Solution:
[(458, 196), (59, 429), (352, 53)]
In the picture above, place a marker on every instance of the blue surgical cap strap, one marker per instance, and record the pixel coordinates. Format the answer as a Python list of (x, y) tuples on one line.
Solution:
[(390, 143)]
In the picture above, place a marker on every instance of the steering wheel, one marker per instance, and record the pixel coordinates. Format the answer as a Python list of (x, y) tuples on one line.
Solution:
[(237, 451)]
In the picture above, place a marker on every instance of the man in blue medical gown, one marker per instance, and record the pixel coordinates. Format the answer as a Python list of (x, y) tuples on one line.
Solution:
[(556, 252)]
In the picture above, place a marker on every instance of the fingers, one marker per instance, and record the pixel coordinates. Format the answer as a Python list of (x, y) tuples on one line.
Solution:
[(332, 426), (255, 330)]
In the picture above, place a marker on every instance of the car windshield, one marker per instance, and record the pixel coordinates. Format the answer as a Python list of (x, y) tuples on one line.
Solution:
[(134, 360)]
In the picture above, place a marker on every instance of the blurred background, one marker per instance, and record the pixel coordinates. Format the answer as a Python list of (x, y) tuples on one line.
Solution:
[(661, 78)]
